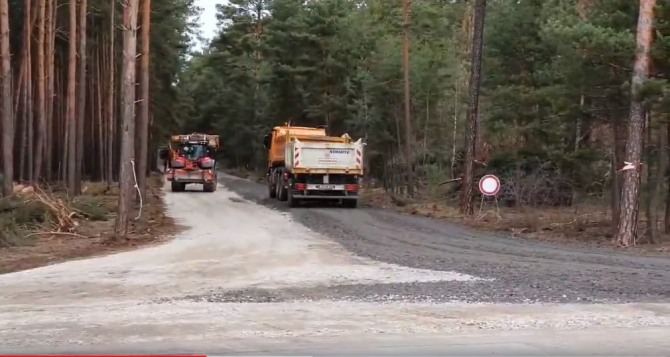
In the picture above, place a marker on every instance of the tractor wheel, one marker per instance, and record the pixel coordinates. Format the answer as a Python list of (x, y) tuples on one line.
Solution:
[(209, 186)]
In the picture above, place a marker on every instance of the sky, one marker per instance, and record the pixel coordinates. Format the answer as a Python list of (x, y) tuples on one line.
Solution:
[(208, 16)]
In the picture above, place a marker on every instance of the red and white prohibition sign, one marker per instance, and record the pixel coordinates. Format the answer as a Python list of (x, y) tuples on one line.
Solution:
[(489, 185)]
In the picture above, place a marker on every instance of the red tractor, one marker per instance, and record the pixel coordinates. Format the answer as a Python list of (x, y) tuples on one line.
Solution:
[(190, 159)]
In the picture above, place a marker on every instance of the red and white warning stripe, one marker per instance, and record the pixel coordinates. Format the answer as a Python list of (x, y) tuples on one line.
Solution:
[(296, 156)]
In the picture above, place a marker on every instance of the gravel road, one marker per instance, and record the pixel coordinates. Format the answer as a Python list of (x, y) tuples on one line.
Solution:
[(245, 275), (523, 270)]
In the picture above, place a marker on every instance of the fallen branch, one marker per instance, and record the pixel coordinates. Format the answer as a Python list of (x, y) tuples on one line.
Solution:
[(56, 233), (63, 214), (450, 181)]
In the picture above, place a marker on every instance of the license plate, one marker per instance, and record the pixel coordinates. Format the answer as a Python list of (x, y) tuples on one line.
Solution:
[(325, 187)]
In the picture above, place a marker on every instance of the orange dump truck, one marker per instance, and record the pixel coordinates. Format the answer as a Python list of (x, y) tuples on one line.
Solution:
[(306, 164), (189, 160)]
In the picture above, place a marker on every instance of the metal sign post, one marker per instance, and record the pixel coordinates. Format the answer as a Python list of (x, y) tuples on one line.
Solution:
[(489, 186)]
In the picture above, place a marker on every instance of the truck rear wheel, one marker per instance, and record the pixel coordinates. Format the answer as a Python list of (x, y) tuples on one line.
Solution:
[(283, 191), (272, 193), (292, 202), (350, 203), (277, 186)]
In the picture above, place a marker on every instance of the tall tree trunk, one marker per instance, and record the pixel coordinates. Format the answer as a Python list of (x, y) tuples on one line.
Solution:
[(616, 178), (666, 220), (71, 132), (100, 105), (111, 122), (258, 57), (50, 79), (7, 110), (660, 172), (467, 206), (143, 123), (60, 121), (81, 97), (659, 179), (651, 179), (408, 119), (30, 124), (41, 91), (25, 149), (626, 233), (126, 181)]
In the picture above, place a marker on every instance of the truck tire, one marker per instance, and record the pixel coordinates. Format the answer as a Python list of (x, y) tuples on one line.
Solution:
[(283, 191), (292, 202), (272, 193), (177, 186), (350, 203), (277, 186), (209, 186)]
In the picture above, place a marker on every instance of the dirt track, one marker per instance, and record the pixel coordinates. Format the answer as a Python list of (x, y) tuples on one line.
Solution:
[(524, 270), (243, 273)]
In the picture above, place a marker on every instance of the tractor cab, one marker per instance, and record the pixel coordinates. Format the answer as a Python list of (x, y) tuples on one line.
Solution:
[(194, 151)]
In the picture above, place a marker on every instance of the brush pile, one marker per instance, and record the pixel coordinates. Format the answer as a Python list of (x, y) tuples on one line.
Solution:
[(32, 210)]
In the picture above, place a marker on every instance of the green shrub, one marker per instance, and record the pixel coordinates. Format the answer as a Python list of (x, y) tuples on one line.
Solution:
[(92, 208)]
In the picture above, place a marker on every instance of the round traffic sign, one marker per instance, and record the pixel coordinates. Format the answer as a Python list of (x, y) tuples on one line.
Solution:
[(489, 185)]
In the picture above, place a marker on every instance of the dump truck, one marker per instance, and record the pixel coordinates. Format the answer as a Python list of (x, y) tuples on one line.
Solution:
[(304, 163), (189, 160)]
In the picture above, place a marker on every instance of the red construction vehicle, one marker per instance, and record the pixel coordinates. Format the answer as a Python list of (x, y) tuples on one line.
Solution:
[(190, 160)]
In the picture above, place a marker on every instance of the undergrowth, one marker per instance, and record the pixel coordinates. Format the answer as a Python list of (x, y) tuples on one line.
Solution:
[(23, 214)]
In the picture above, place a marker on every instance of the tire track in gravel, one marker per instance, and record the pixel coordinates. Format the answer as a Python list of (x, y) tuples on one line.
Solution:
[(524, 270)]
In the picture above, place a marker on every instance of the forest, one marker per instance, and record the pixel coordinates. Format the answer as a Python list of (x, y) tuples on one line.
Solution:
[(555, 107), (87, 94), (555, 97)]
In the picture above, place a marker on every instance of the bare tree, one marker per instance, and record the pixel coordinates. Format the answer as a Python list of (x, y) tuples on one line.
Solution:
[(111, 122), (143, 122), (408, 119), (626, 233), (7, 114), (467, 206), (71, 133), (126, 177), (41, 91), (50, 85), (23, 95), (81, 96)]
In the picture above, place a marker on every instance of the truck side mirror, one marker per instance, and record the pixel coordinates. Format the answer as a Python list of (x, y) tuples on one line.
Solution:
[(266, 142)]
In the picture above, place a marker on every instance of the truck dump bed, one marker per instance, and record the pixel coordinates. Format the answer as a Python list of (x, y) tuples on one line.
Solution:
[(283, 135), (325, 156)]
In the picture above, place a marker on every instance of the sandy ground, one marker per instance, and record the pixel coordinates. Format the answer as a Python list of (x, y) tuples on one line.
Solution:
[(138, 298)]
